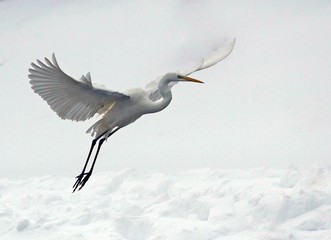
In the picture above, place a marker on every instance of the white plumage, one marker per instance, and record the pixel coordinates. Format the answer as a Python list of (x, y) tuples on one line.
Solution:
[(69, 98), (215, 57), (79, 100)]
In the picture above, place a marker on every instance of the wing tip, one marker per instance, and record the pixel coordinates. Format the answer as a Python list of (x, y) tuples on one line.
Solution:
[(231, 45), (87, 78)]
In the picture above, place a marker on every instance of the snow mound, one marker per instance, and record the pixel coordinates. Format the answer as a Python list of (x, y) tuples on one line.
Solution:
[(203, 204)]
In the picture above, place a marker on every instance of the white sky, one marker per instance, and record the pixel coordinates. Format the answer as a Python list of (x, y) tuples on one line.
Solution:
[(266, 105)]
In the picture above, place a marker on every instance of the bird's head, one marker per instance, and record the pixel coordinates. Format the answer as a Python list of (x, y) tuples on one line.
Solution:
[(175, 77), (170, 79)]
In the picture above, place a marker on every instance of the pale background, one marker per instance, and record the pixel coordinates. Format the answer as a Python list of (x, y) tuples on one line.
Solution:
[(266, 105)]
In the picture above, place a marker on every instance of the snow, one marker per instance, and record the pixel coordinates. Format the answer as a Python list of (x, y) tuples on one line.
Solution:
[(196, 204)]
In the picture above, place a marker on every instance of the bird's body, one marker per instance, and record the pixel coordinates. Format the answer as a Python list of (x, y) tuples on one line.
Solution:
[(122, 113), (80, 100)]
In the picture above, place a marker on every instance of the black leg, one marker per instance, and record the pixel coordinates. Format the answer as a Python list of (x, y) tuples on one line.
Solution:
[(88, 175), (97, 153), (84, 177), (80, 176)]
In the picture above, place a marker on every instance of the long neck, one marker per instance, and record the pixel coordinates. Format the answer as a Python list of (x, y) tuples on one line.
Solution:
[(161, 104)]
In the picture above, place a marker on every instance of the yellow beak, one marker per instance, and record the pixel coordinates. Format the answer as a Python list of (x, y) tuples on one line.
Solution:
[(192, 80)]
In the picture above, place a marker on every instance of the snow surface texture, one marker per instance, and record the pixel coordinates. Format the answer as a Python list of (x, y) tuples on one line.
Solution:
[(201, 204)]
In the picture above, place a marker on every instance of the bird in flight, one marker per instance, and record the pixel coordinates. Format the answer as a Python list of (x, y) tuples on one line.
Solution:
[(79, 100)]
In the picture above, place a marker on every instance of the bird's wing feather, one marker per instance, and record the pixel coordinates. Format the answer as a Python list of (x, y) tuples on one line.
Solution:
[(69, 98), (212, 59), (217, 56), (152, 89)]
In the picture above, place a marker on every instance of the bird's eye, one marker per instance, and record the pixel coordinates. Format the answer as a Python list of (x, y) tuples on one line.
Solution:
[(180, 77)]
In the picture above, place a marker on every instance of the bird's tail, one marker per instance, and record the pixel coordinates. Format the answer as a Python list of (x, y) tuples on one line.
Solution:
[(98, 128)]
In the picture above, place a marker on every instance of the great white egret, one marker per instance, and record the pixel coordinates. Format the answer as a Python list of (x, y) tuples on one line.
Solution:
[(79, 100)]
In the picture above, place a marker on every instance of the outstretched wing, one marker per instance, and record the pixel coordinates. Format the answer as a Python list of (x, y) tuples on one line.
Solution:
[(217, 56), (212, 59), (69, 98)]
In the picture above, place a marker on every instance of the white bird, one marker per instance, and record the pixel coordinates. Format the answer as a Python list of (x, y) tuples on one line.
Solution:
[(79, 100)]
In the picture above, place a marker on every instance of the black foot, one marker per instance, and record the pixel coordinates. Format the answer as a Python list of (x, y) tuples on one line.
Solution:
[(81, 181)]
